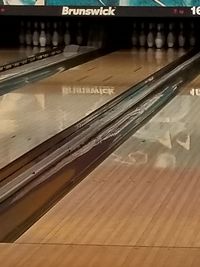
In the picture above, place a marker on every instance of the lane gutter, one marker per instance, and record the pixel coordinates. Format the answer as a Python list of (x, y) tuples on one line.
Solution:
[(48, 66), (58, 178), (132, 95)]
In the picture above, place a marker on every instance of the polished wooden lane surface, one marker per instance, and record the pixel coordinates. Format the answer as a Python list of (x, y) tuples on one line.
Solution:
[(11, 55), (34, 255), (145, 197), (33, 114)]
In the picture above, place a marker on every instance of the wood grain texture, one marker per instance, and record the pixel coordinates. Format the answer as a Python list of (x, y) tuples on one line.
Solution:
[(31, 115), (11, 55), (145, 194), (139, 208), (35, 255)]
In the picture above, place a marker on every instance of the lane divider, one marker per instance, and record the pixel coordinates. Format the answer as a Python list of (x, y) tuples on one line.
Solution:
[(131, 96), (79, 156), (30, 59)]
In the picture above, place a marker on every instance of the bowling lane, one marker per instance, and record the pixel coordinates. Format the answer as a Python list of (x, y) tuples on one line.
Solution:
[(34, 255), (33, 114), (145, 194), (11, 55)]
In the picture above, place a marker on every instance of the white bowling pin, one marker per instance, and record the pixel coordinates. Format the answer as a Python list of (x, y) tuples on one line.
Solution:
[(67, 37), (100, 39), (150, 36), (55, 37), (22, 34), (160, 38), (48, 35), (90, 40), (142, 36), (79, 36), (181, 37), (60, 33), (43, 40), (134, 38), (192, 38), (171, 39), (28, 36), (35, 35)]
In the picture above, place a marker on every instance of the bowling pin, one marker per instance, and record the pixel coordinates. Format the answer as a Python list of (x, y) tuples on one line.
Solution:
[(67, 37), (55, 37), (100, 38), (79, 36), (35, 35), (48, 35), (160, 38), (192, 38), (22, 34), (93, 37), (134, 38), (28, 35), (181, 36), (60, 33), (142, 36), (90, 41), (42, 39), (171, 39), (150, 36)]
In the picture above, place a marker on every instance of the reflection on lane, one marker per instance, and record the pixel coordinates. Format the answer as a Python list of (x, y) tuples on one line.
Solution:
[(11, 55), (38, 111), (170, 138)]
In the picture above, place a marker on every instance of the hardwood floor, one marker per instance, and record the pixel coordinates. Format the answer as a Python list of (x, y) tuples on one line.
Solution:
[(10, 55), (36, 255), (31, 115), (139, 208)]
